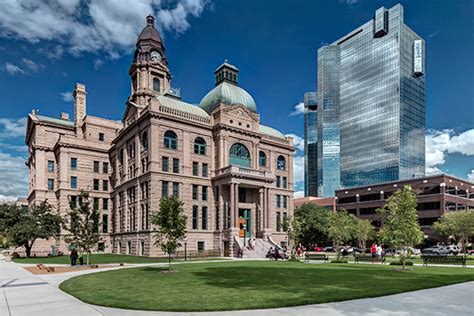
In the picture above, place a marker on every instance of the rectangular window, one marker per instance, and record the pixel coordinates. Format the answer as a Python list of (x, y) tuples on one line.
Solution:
[(176, 189), (164, 189), (204, 193), (195, 192), (101, 137), (285, 201), (278, 181), (204, 170), (217, 218), (105, 223), (96, 184), (278, 200), (285, 221), (73, 163), (105, 204), (105, 185), (242, 195), (105, 167), (165, 164), (285, 184), (50, 184), (73, 201), (201, 247), (195, 216), (278, 222), (204, 218), (175, 165), (96, 166), (96, 203), (50, 166), (195, 168), (73, 182)]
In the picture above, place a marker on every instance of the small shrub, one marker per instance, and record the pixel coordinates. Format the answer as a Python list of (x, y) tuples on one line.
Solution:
[(399, 263)]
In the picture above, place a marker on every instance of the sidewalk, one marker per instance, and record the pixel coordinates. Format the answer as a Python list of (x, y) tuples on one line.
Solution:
[(26, 294)]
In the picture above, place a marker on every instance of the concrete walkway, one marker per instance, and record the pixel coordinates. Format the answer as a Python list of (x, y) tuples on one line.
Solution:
[(26, 294)]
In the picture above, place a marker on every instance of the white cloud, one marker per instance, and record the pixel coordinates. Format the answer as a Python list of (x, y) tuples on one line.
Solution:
[(299, 109), (349, 2), (92, 26), (13, 177), (31, 65), (11, 128), (470, 175), (67, 96), (441, 143), (13, 69), (298, 142), (98, 63), (298, 194), (298, 168)]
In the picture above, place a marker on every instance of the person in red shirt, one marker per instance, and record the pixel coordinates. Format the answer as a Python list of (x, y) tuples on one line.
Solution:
[(373, 252)]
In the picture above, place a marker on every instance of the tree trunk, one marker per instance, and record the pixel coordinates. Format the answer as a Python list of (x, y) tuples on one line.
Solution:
[(87, 258), (338, 253), (28, 247), (402, 258), (169, 262)]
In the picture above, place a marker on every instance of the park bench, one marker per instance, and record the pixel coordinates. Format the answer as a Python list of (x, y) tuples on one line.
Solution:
[(316, 256), (437, 259), (364, 258)]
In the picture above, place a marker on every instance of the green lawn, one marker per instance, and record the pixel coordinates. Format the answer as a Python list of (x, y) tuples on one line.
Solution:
[(101, 258), (252, 284)]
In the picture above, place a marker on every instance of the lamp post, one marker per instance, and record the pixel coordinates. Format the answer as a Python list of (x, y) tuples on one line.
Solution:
[(185, 246), (245, 232)]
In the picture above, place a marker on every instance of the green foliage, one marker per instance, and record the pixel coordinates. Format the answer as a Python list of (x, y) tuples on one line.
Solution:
[(171, 225), (363, 231), (459, 224), (401, 228), (23, 227), (314, 222), (341, 228), (83, 224)]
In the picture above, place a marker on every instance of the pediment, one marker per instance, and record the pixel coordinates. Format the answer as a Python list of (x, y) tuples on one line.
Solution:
[(131, 111), (240, 111)]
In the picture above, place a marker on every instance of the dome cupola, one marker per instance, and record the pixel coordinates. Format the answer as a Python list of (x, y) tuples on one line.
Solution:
[(227, 90), (149, 43)]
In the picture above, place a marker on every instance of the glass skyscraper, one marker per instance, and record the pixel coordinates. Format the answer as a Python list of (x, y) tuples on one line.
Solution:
[(371, 105), (310, 143)]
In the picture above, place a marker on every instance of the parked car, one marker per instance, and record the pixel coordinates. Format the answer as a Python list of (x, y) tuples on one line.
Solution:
[(356, 250), (435, 250), (453, 249), (390, 252), (318, 249), (329, 249), (470, 252)]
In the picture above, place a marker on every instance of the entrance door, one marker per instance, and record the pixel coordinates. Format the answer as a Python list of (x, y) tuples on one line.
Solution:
[(244, 218)]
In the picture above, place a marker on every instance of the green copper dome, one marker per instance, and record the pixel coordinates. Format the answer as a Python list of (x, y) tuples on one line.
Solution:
[(227, 93)]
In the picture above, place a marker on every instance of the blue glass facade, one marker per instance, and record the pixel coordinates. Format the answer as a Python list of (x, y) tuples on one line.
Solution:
[(310, 144), (371, 97)]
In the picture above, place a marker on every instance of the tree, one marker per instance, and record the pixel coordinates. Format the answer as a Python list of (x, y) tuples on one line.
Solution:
[(24, 227), (83, 224), (314, 222), (363, 231), (459, 224), (292, 227), (341, 228), (170, 224), (401, 228)]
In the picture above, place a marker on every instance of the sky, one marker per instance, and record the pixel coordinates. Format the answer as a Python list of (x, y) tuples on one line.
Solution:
[(48, 46)]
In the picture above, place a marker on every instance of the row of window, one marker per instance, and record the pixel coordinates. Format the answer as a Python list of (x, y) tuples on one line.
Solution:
[(105, 203), (105, 167), (204, 217), (170, 141), (281, 182), (165, 189), (281, 201), (204, 190), (280, 222), (73, 183), (105, 217)]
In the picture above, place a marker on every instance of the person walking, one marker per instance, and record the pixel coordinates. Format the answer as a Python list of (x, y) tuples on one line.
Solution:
[(81, 258), (380, 253), (373, 252), (73, 256)]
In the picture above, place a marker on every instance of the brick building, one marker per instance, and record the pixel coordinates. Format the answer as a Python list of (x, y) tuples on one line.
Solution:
[(228, 169)]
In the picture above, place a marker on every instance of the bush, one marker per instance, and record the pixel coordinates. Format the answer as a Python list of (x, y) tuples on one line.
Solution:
[(339, 261), (399, 263)]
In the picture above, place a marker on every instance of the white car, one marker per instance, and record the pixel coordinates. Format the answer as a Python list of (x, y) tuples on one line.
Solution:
[(453, 249)]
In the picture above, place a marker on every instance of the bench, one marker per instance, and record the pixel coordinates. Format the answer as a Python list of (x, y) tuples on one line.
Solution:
[(316, 256), (358, 258), (443, 259)]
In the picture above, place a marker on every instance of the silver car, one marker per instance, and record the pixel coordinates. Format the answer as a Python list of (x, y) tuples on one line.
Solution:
[(436, 250)]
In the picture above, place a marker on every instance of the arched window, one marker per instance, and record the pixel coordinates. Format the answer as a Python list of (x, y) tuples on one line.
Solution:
[(262, 159), (199, 146), (281, 163), (239, 155), (156, 84), (171, 140), (145, 141)]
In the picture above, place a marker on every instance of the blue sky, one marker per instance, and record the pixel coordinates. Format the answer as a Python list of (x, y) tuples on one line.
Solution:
[(46, 47)]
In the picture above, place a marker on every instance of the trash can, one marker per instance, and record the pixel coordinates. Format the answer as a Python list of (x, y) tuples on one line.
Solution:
[(54, 251)]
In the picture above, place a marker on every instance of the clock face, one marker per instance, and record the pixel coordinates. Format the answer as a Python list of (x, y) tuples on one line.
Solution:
[(155, 56)]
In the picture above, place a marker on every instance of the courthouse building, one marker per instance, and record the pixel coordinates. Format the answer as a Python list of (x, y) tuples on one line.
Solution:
[(234, 175)]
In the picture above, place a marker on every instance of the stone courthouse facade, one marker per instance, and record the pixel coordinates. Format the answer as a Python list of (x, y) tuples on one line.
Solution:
[(234, 175)]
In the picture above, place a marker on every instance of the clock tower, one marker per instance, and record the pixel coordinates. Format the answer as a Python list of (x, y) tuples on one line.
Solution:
[(149, 71)]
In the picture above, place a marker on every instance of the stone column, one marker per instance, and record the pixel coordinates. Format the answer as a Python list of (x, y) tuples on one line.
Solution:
[(267, 207), (236, 207), (232, 205), (261, 220)]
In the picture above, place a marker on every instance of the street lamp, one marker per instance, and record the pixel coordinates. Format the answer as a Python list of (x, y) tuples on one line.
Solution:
[(185, 246), (245, 232)]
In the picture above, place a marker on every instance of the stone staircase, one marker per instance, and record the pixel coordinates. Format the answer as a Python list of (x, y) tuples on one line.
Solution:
[(259, 251)]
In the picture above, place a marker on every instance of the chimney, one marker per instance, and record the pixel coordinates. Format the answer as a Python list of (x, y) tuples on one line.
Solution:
[(64, 116), (79, 107)]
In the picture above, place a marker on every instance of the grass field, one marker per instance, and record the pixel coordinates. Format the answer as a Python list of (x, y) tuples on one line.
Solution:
[(252, 284), (102, 258)]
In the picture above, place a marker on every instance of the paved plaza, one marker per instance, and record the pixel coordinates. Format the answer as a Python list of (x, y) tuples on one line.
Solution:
[(28, 294)]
